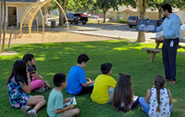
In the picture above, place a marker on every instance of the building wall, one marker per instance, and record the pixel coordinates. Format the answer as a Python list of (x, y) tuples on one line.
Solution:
[(21, 8), (115, 15)]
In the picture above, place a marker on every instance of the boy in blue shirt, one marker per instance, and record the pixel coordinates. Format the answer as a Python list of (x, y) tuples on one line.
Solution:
[(55, 106), (77, 83)]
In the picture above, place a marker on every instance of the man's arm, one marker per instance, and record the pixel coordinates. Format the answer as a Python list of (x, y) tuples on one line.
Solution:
[(160, 28)]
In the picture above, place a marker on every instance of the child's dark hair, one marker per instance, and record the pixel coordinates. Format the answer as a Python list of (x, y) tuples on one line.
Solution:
[(28, 57), (19, 72), (159, 83), (167, 7), (106, 67), (58, 79), (123, 92), (82, 58)]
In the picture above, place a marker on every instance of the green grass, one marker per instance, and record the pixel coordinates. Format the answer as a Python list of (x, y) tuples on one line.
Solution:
[(125, 57)]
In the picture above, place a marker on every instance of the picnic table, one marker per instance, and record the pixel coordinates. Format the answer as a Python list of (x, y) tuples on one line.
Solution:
[(156, 50)]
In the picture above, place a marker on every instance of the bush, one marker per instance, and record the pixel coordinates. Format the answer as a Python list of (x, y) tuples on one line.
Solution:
[(122, 20)]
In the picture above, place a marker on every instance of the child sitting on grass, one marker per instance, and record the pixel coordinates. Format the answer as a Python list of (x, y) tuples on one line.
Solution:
[(55, 106), (124, 99), (77, 83), (38, 84), (158, 100), (19, 87), (104, 85)]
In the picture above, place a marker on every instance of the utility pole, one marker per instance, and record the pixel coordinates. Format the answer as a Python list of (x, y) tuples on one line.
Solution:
[(4, 33)]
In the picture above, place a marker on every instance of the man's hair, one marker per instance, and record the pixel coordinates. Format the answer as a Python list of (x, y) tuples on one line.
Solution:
[(58, 79), (106, 67), (167, 7), (82, 58)]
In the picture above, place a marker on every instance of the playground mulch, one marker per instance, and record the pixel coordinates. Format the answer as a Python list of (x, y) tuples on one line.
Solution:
[(53, 37)]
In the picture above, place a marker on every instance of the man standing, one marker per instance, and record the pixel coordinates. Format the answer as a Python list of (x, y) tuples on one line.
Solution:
[(171, 34)]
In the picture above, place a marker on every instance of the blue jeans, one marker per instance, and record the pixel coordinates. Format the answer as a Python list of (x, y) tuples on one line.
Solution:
[(146, 107), (111, 92)]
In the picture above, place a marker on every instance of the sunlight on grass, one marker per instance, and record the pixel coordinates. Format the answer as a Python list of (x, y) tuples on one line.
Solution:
[(41, 59), (120, 48), (90, 46), (68, 48), (174, 100)]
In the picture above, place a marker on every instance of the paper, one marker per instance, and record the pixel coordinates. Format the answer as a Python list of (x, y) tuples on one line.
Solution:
[(72, 101), (146, 25), (135, 98)]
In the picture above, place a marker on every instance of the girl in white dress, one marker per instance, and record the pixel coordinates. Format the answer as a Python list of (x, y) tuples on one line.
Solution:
[(158, 100)]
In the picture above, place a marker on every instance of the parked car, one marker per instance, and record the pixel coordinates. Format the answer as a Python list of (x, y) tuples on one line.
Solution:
[(132, 21), (77, 18), (94, 16)]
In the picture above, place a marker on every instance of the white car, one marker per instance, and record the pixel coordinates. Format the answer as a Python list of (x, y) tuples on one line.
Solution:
[(95, 16)]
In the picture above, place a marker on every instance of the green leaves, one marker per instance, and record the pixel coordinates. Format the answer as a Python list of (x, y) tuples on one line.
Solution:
[(158, 1), (107, 4)]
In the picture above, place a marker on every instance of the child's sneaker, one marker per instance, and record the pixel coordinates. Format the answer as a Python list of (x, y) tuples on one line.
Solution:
[(32, 113), (24, 109), (47, 84), (40, 90)]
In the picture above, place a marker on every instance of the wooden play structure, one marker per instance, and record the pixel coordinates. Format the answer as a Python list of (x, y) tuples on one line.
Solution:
[(31, 13)]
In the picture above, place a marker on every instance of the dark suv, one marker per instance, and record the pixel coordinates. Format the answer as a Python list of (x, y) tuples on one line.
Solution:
[(132, 21), (77, 18)]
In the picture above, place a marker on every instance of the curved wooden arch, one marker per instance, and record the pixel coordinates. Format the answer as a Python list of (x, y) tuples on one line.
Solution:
[(30, 13)]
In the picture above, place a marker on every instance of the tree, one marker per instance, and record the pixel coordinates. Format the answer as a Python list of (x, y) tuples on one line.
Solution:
[(142, 6), (61, 15), (157, 4), (105, 5), (80, 5), (72, 5)]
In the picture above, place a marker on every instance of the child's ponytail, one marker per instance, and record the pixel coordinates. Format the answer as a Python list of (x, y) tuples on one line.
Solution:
[(159, 84)]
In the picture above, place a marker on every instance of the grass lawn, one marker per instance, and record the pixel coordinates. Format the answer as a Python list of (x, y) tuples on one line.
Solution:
[(125, 57)]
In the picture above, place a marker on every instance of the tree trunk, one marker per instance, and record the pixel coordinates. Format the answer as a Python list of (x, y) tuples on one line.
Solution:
[(160, 13), (61, 22), (104, 16), (142, 6), (61, 15), (4, 33), (1, 22), (141, 37)]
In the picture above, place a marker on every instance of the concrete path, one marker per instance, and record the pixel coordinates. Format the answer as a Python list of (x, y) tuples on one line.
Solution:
[(110, 30)]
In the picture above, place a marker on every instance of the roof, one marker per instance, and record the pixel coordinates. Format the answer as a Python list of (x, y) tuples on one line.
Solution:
[(27, 1)]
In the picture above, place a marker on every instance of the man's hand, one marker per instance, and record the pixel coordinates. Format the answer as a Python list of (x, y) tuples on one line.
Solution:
[(161, 38)]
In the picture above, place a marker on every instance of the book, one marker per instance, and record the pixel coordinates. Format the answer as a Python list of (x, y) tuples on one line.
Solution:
[(146, 25), (72, 101)]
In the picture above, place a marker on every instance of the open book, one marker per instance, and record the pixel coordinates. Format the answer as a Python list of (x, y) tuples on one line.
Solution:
[(146, 25), (72, 101)]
